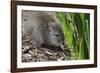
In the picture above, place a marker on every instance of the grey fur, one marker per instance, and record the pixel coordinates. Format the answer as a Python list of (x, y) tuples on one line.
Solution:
[(44, 27)]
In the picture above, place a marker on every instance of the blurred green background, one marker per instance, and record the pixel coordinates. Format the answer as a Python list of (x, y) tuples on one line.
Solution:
[(76, 27)]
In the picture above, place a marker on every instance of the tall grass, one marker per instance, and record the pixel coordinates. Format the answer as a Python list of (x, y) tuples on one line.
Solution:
[(76, 27)]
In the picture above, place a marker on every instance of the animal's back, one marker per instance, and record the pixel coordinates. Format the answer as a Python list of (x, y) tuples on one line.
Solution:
[(43, 27)]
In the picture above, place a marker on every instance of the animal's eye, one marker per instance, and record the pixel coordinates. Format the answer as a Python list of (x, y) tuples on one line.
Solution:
[(57, 35), (25, 19)]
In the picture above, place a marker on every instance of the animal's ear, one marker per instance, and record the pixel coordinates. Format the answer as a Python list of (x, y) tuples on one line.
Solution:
[(50, 18)]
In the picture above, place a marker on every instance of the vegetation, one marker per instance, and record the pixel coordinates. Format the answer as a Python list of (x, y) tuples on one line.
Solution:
[(76, 27)]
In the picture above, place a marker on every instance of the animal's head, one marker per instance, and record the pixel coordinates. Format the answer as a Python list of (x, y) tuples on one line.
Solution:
[(55, 34)]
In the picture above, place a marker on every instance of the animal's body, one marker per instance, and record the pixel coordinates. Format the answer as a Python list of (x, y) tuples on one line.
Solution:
[(44, 28)]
